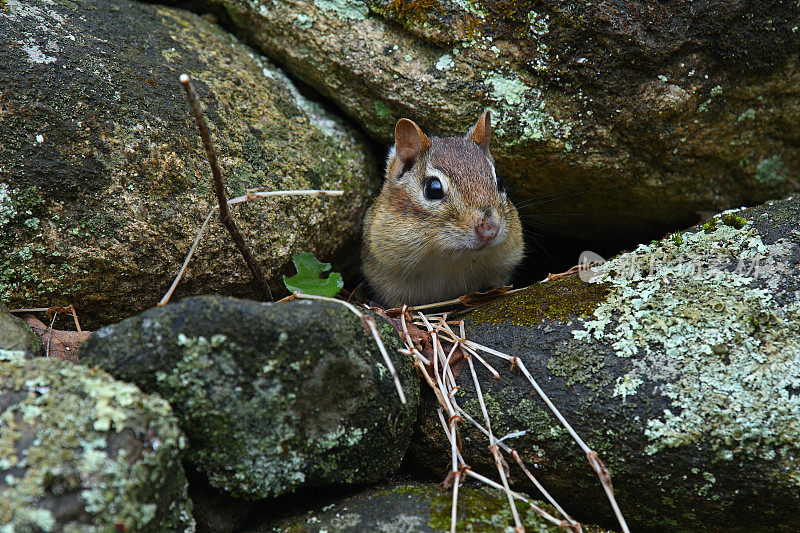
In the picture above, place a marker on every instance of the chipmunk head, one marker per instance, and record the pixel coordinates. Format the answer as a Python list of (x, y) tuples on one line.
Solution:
[(448, 187), (442, 225)]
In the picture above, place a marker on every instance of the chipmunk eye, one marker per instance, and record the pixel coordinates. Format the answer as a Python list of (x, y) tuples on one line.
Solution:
[(500, 186), (433, 189)]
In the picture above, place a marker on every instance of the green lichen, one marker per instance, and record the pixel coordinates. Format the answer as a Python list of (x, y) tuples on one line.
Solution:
[(559, 300), (575, 364), (82, 452), (626, 385), (381, 110), (716, 340), (273, 397), (445, 62), (771, 171), (344, 9), (748, 114), (303, 22), (522, 111)]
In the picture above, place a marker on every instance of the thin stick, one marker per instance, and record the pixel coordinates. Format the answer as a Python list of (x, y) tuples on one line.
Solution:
[(219, 189), (370, 323), (539, 486), (70, 309), (516, 495), (454, 510), (50, 333), (408, 337), (254, 195), (236, 201), (493, 446), (591, 455), (172, 287)]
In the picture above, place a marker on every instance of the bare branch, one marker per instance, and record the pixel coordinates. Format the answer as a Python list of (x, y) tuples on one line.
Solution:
[(219, 189)]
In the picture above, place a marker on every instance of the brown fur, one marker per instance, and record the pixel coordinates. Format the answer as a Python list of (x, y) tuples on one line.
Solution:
[(417, 250)]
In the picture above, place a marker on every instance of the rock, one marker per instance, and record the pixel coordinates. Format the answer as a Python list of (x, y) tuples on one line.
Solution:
[(215, 511), (17, 339), (273, 397), (80, 451), (633, 114), (415, 507), (103, 179), (685, 382)]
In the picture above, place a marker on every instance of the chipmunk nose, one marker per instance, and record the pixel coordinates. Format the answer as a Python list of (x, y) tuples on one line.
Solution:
[(487, 230)]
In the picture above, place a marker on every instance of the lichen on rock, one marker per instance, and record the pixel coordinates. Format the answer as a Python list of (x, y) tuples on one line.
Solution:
[(273, 396), (692, 315), (679, 363), (104, 180), (80, 451)]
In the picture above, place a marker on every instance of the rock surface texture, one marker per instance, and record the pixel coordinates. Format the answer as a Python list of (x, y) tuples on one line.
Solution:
[(103, 179), (679, 363), (639, 113), (16, 338), (80, 451), (273, 397)]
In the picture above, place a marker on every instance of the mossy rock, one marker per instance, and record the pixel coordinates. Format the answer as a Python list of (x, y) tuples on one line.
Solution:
[(273, 396), (633, 115), (413, 506), (679, 364), (16, 338), (104, 182), (80, 451)]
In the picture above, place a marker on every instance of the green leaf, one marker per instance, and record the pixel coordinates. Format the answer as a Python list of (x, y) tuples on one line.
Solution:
[(309, 280)]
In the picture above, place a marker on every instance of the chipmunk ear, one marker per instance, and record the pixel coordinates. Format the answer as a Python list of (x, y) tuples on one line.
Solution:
[(481, 132), (409, 142)]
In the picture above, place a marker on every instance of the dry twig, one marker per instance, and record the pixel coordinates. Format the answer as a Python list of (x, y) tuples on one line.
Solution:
[(439, 376), (219, 189), (250, 196)]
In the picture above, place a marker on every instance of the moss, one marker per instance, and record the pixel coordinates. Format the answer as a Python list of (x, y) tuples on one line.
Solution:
[(560, 300), (729, 219), (410, 11), (479, 509), (381, 109)]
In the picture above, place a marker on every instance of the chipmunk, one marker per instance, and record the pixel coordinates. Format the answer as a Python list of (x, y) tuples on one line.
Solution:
[(442, 225)]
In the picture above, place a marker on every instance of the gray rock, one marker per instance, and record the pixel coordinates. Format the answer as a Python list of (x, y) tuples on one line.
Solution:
[(272, 396), (640, 114), (685, 382), (80, 451), (414, 507), (103, 179), (17, 337)]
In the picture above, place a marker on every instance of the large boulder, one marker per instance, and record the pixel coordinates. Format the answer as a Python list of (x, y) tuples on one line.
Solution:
[(634, 114), (273, 396), (679, 363), (103, 179), (80, 451)]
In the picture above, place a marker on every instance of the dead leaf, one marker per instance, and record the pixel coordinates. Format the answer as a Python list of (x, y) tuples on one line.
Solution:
[(63, 344)]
